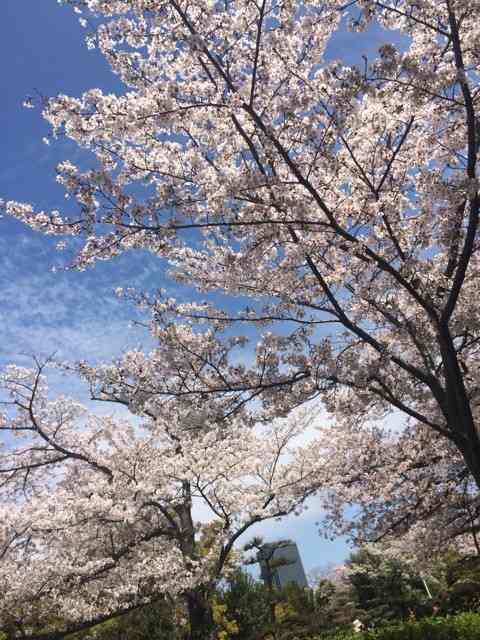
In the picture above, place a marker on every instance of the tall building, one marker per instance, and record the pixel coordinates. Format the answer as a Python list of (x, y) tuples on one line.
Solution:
[(280, 562)]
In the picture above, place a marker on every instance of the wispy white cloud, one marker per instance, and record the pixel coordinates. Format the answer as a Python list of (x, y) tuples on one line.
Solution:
[(74, 315)]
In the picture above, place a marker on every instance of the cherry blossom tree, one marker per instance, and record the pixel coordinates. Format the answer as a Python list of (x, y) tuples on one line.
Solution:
[(377, 483), (411, 490), (342, 201), (98, 514)]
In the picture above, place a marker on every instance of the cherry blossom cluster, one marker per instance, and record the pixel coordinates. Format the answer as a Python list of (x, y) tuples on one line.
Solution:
[(410, 489), (99, 515)]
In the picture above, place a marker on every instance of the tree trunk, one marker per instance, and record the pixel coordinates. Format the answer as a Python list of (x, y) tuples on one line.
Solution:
[(470, 450), (198, 608), (458, 410), (199, 616)]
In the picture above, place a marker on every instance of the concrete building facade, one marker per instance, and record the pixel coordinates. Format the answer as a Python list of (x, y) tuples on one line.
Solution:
[(281, 563)]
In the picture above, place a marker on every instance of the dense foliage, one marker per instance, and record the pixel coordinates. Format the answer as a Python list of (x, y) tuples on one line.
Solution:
[(243, 614), (464, 626), (242, 606)]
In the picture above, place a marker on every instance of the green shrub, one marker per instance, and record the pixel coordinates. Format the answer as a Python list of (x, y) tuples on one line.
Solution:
[(464, 626)]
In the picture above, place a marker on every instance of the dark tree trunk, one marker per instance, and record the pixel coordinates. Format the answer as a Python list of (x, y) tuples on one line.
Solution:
[(198, 608), (470, 450), (199, 616), (458, 409)]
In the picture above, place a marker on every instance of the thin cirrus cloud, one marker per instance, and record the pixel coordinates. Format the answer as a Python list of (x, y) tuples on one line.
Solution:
[(75, 315)]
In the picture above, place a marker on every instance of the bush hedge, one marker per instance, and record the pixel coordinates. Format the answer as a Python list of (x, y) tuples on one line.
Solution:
[(463, 626)]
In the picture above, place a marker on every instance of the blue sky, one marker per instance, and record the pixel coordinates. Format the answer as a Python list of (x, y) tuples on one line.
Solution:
[(76, 313), (43, 311)]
